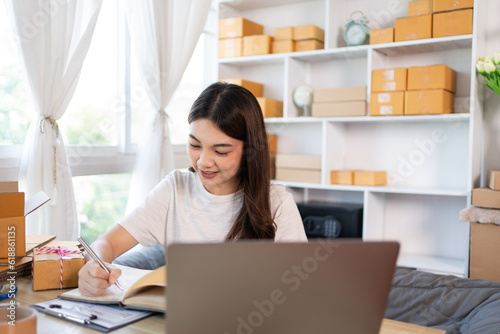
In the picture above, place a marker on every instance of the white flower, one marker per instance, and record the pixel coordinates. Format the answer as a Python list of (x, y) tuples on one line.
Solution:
[(480, 66), (489, 67), (497, 58), (489, 58)]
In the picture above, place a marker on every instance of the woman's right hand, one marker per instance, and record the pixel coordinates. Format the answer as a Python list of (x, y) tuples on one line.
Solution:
[(93, 280)]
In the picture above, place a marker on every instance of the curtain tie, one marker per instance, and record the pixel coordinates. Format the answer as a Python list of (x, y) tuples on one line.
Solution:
[(52, 122), (55, 127)]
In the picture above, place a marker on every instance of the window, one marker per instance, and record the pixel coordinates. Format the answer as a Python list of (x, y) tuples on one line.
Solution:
[(101, 126)]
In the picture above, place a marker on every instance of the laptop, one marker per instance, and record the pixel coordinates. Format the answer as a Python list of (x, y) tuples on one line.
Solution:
[(272, 288)]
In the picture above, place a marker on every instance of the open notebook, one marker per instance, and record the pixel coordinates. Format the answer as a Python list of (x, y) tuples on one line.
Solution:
[(142, 290)]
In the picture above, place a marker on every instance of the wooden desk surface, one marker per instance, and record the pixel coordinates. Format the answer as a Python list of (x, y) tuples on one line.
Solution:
[(155, 324)]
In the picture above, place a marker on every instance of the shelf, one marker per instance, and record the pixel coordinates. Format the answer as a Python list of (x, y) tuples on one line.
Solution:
[(349, 52), (381, 189), (432, 264), (382, 119), (255, 4)]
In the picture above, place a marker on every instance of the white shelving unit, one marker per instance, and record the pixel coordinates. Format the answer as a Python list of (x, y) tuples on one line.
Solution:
[(433, 161)]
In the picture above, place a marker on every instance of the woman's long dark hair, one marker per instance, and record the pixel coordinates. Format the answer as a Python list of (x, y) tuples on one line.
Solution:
[(237, 113)]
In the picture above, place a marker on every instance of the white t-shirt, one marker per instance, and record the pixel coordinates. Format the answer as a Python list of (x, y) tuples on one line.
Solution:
[(180, 209)]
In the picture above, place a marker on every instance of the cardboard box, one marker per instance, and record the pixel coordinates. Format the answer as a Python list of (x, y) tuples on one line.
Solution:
[(389, 80), (432, 77), (298, 175), (272, 143), (283, 46), (414, 27), (13, 210), (486, 198), (387, 104), (494, 179), (254, 87), (257, 45), (270, 107), (230, 47), (484, 262), (342, 177), (308, 31), (370, 178), (239, 27), (454, 23), (384, 35), (447, 5), (283, 33), (47, 267), (354, 93), (9, 187), (430, 101), (422, 7), (302, 161), (308, 45), (341, 108), (272, 165)]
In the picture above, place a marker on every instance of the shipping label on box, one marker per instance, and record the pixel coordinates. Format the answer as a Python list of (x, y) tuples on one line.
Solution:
[(389, 80), (494, 179), (283, 46), (384, 35), (283, 33), (370, 178), (231, 47), (239, 27), (484, 247), (432, 77), (270, 107), (486, 198), (298, 175), (56, 267), (387, 104), (308, 45), (355, 93), (454, 23), (342, 177), (411, 28), (308, 31), (254, 87), (304, 161), (431, 101), (449, 5), (422, 7), (257, 45), (338, 109)]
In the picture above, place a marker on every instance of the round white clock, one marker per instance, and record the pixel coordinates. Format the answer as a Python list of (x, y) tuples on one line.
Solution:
[(356, 31), (302, 98)]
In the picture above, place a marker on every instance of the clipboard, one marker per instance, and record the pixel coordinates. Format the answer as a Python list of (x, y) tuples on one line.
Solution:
[(103, 318)]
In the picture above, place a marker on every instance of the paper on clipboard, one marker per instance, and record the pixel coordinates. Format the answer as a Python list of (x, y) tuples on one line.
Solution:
[(108, 317)]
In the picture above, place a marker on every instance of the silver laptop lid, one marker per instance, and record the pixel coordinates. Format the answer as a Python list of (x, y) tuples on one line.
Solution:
[(263, 287)]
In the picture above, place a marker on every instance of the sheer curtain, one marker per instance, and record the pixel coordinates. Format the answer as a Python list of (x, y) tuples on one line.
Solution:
[(53, 37), (164, 35)]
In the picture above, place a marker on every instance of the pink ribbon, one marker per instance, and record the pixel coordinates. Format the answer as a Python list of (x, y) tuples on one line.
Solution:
[(50, 250)]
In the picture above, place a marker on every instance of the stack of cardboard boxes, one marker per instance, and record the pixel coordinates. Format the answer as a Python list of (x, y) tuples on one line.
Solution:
[(239, 36), (341, 101), (416, 90), (484, 237), (299, 38), (270, 107), (298, 167), (429, 19)]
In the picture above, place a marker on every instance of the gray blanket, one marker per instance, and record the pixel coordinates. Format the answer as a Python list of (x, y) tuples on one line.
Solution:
[(457, 305)]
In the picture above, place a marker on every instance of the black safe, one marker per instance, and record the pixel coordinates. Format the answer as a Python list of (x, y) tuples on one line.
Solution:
[(332, 220)]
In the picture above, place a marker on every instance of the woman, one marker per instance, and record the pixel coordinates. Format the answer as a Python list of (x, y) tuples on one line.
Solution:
[(226, 194)]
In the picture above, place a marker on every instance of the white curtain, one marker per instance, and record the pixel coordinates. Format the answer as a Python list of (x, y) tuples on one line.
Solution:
[(53, 37), (164, 34)]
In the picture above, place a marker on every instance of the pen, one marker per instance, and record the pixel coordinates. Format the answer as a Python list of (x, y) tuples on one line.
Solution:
[(96, 258), (67, 314)]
